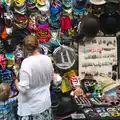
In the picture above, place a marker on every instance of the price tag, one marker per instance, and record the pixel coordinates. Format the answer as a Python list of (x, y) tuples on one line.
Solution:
[(78, 116)]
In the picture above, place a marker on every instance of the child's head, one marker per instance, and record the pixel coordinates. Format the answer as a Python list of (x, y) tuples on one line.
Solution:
[(4, 91)]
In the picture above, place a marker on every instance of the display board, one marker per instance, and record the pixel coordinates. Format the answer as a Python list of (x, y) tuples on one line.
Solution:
[(118, 55), (98, 54)]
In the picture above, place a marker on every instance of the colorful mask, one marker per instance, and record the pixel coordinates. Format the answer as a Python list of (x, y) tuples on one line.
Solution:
[(19, 55), (98, 90), (43, 35), (11, 60), (3, 62), (7, 77)]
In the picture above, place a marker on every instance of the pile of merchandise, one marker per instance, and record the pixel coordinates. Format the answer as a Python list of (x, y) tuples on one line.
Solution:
[(87, 98)]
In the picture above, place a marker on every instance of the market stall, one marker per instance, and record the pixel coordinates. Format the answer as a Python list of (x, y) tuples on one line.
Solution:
[(82, 39)]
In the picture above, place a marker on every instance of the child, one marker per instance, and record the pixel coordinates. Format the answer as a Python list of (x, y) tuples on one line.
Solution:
[(6, 103)]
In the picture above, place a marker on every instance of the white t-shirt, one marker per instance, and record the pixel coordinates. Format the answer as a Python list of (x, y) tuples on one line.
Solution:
[(36, 74)]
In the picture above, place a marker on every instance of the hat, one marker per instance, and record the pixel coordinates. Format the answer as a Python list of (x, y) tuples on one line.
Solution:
[(67, 105), (66, 38), (108, 85), (44, 8), (66, 22), (97, 2), (89, 26), (9, 30), (19, 54), (10, 60), (88, 77), (110, 7), (32, 22), (55, 8), (78, 11), (9, 18), (3, 62), (41, 17), (43, 49), (67, 9), (6, 76), (2, 26), (9, 45), (41, 2), (4, 34), (67, 3), (43, 35), (54, 42), (54, 18), (79, 4), (4, 91), (31, 6), (19, 3), (113, 1), (54, 22), (54, 26), (42, 25), (21, 21), (18, 35), (109, 23), (1, 46), (21, 10)]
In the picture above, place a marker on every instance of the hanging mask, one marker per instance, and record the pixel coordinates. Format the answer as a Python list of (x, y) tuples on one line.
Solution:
[(98, 90), (10, 60), (111, 7), (89, 26), (9, 45), (1, 46), (98, 9), (54, 42), (43, 49), (3, 62), (7, 77), (9, 30), (89, 85), (19, 55), (9, 18)]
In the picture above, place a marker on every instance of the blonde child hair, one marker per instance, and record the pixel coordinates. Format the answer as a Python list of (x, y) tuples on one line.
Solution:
[(4, 91)]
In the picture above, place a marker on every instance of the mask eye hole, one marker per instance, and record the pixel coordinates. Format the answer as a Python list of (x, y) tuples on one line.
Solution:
[(96, 90)]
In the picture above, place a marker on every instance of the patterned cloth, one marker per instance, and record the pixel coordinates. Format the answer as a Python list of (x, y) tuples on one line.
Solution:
[(8, 109), (46, 115)]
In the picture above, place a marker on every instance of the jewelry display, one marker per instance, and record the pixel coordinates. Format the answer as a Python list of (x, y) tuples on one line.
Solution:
[(99, 53)]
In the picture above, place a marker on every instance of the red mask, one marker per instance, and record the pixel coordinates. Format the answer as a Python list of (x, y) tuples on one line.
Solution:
[(3, 61)]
